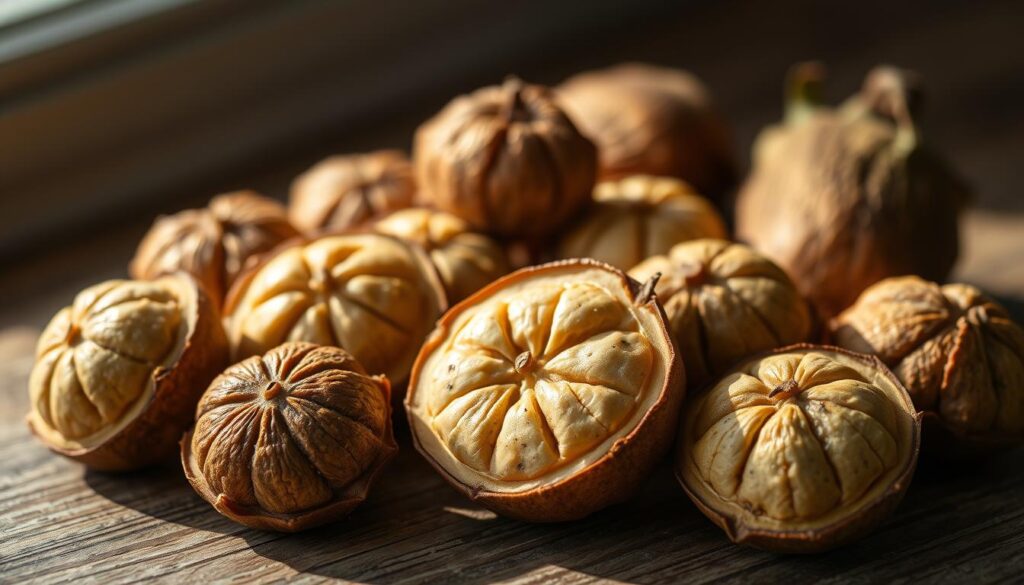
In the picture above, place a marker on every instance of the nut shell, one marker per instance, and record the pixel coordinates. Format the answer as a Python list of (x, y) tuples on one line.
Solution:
[(465, 260), (638, 217), (724, 302), (550, 393), (291, 439), (118, 373), (346, 191), (846, 197), (213, 243), (955, 349), (507, 160), (376, 296), (802, 449), (655, 121)]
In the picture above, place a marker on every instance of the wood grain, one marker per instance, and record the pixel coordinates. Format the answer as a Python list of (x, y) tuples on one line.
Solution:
[(68, 524)]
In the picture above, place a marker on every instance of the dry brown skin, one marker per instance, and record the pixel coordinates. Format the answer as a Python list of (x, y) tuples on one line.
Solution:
[(655, 121), (119, 372), (507, 160), (800, 450), (213, 243), (291, 439), (465, 260), (549, 394), (346, 191), (374, 295), (956, 350), (638, 217), (842, 198), (725, 302)]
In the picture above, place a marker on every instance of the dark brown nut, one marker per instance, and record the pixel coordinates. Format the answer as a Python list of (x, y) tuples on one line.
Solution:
[(213, 243), (376, 296), (507, 160), (465, 260), (725, 302), (118, 373), (803, 449), (291, 439), (638, 217), (842, 198), (347, 191), (955, 349), (549, 394), (655, 121)]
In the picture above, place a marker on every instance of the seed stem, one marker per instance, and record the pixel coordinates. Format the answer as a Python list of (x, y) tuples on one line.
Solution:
[(524, 362), (647, 290), (787, 389)]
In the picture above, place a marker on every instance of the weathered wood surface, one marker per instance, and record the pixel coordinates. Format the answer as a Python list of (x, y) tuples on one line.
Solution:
[(61, 523)]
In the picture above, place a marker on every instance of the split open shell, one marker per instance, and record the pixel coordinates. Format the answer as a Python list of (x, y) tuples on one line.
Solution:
[(801, 449), (549, 394)]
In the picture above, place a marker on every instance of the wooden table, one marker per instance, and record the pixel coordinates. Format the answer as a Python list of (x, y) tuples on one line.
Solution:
[(61, 523)]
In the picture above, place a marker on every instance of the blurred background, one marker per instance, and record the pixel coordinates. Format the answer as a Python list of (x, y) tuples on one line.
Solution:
[(112, 111)]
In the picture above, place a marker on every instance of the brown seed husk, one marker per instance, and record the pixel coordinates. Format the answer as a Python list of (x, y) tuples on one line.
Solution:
[(465, 260), (640, 216), (507, 160), (842, 198), (801, 449), (291, 439), (346, 191), (374, 295), (118, 373), (549, 394), (214, 243), (956, 350), (724, 302), (655, 121)]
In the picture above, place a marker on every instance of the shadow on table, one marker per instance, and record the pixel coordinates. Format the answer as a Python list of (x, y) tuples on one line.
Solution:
[(429, 533), (415, 530), (161, 492), (952, 519)]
